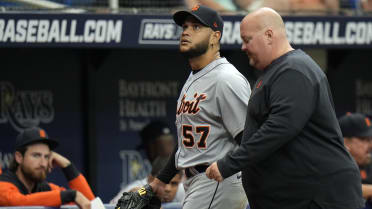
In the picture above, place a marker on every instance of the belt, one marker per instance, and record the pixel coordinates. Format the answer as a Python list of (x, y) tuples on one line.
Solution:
[(192, 171)]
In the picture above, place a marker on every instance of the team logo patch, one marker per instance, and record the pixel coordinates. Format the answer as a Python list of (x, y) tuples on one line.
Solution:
[(196, 7), (363, 174), (259, 84), (368, 122), (42, 134)]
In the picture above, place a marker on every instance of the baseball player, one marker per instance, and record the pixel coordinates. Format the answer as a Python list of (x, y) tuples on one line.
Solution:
[(210, 114), (210, 118)]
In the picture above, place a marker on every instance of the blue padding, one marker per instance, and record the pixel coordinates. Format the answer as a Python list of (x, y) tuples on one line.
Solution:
[(172, 205)]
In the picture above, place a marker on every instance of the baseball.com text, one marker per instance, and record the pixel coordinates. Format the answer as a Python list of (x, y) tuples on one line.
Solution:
[(60, 31)]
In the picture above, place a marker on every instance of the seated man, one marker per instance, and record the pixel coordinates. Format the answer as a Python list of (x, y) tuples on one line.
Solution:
[(174, 191), (156, 140), (357, 131), (23, 184)]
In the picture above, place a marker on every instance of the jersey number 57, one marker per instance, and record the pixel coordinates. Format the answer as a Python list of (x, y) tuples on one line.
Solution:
[(189, 139)]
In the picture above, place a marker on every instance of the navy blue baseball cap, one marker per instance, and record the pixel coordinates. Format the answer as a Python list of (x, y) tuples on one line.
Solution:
[(35, 135), (153, 130), (355, 125), (205, 15)]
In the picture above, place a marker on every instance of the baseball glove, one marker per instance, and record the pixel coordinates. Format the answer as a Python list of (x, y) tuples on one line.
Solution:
[(144, 198)]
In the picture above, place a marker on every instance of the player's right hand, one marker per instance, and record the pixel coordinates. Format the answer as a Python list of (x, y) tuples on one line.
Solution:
[(58, 160), (158, 187), (213, 172), (82, 201)]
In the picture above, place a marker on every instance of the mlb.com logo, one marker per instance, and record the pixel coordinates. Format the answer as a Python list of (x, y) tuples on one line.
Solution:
[(159, 31)]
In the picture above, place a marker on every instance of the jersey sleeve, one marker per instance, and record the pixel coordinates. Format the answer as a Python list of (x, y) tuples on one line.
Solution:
[(232, 95), (77, 181), (80, 184), (10, 196)]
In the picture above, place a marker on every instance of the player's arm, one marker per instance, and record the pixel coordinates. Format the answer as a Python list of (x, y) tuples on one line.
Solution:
[(75, 179), (69, 196), (232, 95), (290, 109), (10, 196), (166, 174)]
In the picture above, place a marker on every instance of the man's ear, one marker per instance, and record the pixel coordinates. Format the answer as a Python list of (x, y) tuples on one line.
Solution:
[(346, 143), (269, 34), (216, 37), (150, 178), (18, 157)]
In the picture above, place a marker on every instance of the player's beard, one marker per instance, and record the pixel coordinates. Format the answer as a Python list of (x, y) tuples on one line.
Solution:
[(198, 50), (38, 175)]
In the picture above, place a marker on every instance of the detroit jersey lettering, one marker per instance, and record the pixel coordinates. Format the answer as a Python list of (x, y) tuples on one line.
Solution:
[(190, 107), (211, 111)]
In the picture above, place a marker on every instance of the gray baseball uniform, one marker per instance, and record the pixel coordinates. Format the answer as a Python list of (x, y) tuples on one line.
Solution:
[(211, 111)]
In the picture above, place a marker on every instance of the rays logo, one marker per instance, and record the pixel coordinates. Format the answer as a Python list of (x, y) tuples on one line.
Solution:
[(134, 167), (159, 31), (23, 109)]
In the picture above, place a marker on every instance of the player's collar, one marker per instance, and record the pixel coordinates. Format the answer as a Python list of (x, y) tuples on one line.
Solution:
[(209, 67)]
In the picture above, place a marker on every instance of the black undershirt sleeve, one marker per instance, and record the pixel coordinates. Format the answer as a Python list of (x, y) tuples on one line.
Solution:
[(169, 171), (238, 138), (68, 196), (71, 172)]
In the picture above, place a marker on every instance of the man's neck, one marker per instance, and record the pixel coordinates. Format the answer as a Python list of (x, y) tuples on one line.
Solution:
[(29, 184), (203, 60), (281, 49)]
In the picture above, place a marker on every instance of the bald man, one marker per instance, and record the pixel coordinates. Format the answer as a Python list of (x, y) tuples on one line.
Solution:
[(292, 154)]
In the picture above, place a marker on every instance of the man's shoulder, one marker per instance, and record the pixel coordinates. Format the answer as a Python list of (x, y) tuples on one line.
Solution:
[(12, 178), (228, 71), (229, 75), (8, 176), (302, 62), (222, 64)]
